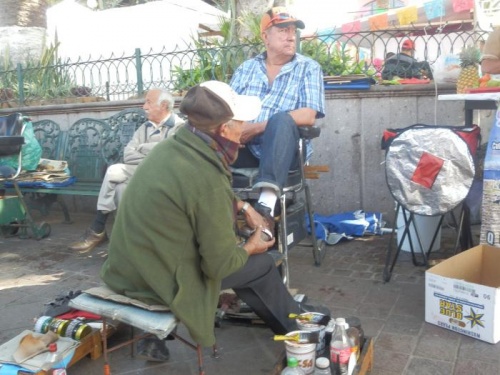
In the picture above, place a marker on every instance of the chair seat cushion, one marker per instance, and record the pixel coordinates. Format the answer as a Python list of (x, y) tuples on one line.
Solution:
[(244, 178), (159, 323)]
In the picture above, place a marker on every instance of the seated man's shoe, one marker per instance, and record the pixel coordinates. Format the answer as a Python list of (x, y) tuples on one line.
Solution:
[(265, 212), (304, 308), (88, 241), (246, 232), (152, 349)]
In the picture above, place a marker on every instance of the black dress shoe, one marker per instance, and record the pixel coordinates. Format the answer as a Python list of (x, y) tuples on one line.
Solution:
[(153, 350), (265, 212)]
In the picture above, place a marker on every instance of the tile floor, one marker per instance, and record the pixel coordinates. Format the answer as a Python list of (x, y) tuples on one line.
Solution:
[(349, 282)]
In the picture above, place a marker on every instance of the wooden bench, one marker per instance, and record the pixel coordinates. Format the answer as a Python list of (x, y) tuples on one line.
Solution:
[(89, 146)]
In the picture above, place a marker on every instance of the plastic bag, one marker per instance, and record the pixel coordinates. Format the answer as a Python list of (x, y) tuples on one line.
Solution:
[(31, 151), (447, 68)]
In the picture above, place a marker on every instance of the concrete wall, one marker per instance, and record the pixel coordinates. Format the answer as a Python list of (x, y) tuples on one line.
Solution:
[(350, 143), (350, 140)]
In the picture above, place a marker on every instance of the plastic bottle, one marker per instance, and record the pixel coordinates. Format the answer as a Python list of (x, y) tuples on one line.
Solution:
[(52, 357), (292, 368), (322, 366), (340, 348)]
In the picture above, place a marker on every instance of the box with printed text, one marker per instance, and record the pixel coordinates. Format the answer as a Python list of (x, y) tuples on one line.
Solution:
[(462, 293)]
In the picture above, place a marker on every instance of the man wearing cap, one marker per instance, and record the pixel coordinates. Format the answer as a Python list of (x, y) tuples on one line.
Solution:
[(490, 62), (404, 65), (291, 89), (174, 242)]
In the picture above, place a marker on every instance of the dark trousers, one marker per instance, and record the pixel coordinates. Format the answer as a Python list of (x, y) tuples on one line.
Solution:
[(259, 284)]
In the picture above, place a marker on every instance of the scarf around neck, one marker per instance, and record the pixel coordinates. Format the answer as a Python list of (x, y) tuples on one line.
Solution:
[(226, 150)]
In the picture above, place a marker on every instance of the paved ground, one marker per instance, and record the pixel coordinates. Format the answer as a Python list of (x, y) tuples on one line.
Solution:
[(349, 282)]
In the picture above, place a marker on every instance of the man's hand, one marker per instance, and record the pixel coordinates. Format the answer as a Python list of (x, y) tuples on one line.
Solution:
[(253, 219), (250, 130), (255, 244)]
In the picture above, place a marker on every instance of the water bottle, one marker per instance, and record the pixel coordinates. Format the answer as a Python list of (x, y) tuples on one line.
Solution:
[(322, 366), (340, 348), (53, 359), (292, 367)]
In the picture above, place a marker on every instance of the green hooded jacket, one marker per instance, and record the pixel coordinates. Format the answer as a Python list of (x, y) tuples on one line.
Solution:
[(173, 239)]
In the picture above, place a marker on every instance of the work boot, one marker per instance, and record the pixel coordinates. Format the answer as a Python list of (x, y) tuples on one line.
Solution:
[(88, 241)]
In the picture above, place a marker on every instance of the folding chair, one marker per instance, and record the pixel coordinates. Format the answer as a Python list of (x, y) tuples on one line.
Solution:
[(153, 320), (14, 212), (291, 226), (429, 172)]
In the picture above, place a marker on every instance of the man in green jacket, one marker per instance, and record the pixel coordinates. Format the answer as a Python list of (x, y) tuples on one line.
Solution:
[(174, 242)]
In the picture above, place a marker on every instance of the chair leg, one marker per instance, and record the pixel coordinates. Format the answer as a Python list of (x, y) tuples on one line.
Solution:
[(104, 338), (283, 245), (201, 370)]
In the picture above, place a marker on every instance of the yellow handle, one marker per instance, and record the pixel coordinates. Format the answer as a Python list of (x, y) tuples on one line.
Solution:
[(283, 337), (301, 316)]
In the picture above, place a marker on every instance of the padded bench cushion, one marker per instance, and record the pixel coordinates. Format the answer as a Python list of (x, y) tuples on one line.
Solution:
[(159, 323), (105, 292)]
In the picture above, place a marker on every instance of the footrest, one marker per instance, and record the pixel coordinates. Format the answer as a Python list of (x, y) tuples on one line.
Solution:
[(155, 322)]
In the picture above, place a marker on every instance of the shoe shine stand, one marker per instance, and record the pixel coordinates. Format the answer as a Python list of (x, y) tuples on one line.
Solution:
[(429, 172)]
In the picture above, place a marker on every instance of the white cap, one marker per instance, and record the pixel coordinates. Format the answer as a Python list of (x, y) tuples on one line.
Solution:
[(212, 103), (244, 107)]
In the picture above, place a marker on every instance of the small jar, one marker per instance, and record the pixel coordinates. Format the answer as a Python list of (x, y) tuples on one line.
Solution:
[(77, 330), (42, 324), (354, 321), (322, 366), (59, 326)]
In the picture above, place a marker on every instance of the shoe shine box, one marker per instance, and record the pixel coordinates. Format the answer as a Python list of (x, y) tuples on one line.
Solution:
[(462, 293)]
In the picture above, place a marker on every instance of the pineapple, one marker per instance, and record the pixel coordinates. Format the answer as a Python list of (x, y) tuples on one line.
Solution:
[(468, 78)]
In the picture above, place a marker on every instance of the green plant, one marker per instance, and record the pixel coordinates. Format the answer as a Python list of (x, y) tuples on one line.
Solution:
[(334, 59), (212, 58), (8, 78), (45, 78)]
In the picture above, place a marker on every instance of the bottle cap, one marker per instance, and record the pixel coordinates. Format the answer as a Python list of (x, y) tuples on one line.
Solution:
[(340, 321), (52, 347), (322, 362), (292, 362)]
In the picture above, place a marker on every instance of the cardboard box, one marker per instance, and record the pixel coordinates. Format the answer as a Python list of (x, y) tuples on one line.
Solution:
[(462, 293)]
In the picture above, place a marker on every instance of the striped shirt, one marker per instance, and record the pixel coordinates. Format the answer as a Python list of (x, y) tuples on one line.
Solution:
[(298, 85)]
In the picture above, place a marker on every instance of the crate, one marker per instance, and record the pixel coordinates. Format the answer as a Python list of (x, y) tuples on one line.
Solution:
[(363, 367)]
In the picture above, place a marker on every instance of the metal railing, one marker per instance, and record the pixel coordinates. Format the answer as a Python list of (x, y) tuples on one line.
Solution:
[(128, 76)]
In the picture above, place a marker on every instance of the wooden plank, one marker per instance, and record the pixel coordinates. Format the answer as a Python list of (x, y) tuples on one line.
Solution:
[(365, 362)]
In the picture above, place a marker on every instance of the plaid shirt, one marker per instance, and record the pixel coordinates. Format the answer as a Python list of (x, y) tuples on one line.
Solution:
[(298, 85)]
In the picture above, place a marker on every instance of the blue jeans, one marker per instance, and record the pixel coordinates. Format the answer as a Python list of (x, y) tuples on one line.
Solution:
[(276, 152)]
